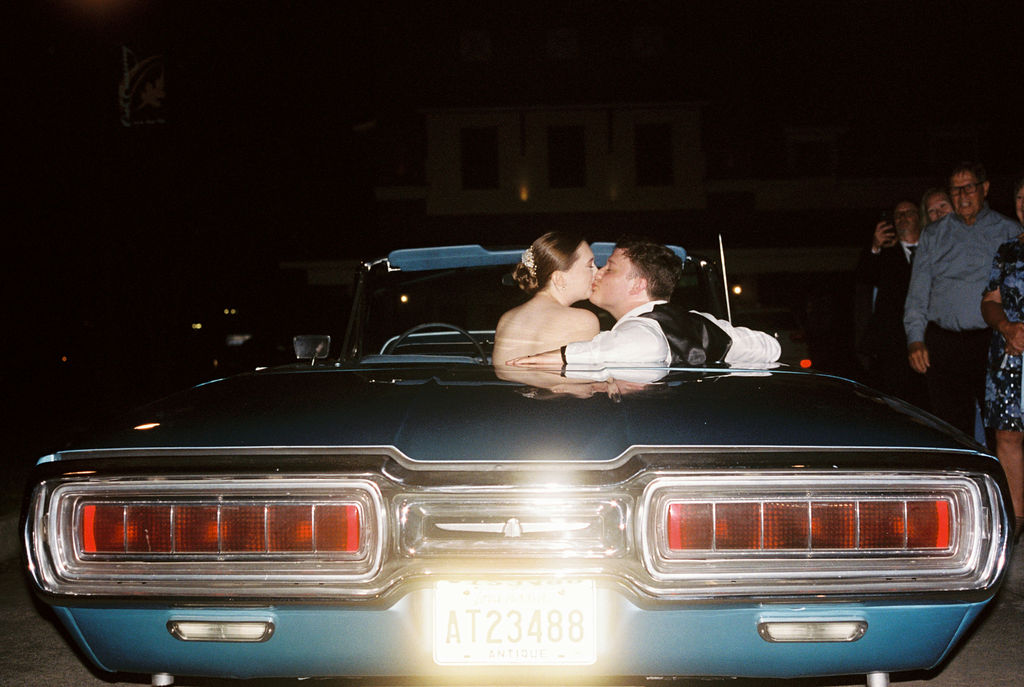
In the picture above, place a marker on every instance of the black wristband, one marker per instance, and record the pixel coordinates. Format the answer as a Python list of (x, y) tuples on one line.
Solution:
[(562, 350)]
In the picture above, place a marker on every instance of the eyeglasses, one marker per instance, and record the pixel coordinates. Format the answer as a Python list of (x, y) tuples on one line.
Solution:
[(904, 213), (965, 189)]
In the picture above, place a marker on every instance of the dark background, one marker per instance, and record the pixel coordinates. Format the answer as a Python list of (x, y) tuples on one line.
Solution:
[(120, 238)]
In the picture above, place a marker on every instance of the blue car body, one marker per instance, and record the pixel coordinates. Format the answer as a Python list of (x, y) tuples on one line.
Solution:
[(516, 486)]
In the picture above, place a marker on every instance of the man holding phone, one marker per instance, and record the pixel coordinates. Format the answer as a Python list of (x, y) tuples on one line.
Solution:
[(884, 272)]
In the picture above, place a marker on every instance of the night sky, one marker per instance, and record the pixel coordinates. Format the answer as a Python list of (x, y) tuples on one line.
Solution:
[(121, 236)]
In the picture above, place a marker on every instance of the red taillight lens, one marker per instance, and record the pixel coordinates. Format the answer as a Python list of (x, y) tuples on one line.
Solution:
[(881, 525), (103, 529), (147, 529), (187, 528), (833, 525), (196, 529), (785, 525), (691, 526), (737, 526), (928, 525), (290, 528), (898, 524), (242, 530), (337, 528)]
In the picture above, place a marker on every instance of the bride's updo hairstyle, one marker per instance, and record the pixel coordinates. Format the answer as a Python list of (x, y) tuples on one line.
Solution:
[(553, 251)]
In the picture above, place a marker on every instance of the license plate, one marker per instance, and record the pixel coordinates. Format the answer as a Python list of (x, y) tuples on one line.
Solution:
[(530, 622)]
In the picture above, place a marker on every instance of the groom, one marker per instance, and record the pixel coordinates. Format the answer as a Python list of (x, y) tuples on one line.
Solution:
[(634, 287)]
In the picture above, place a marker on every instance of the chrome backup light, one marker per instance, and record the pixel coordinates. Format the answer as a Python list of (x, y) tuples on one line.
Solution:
[(812, 630), (210, 536), (755, 532), (221, 630)]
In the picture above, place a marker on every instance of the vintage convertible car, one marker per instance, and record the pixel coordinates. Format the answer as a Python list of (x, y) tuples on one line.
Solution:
[(402, 509)]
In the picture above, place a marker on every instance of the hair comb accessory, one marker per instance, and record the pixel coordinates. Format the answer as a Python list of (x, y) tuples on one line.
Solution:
[(528, 262)]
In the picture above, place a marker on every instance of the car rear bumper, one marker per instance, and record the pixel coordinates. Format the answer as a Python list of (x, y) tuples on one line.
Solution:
[(694, 640)]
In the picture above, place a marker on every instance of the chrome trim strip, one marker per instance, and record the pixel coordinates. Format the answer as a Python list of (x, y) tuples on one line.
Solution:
[(511, 527), (405, 461)]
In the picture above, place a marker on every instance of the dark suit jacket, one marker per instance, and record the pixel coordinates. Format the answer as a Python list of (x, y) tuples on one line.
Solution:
[(885, 339), (889, 272)]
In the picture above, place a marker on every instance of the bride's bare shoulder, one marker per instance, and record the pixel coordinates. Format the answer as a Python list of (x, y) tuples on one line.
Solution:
[(545, 320), (564, 324), (513, 314), (583, 316)]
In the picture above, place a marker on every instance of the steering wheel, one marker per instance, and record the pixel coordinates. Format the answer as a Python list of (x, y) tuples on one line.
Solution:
[(391, 347)]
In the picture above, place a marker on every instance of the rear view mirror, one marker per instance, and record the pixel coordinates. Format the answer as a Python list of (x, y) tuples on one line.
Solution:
[(311, 347)]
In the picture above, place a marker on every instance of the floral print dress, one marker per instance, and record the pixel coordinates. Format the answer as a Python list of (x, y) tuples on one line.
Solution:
[(1003, 391)]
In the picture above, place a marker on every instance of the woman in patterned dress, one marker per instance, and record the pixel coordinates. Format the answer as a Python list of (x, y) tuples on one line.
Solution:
[(1002, 306)]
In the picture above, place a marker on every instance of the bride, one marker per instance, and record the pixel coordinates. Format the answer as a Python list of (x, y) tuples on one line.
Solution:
[(557, 270)]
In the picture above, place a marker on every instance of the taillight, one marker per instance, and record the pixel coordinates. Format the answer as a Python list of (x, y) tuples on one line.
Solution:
[(189, 528), (286, 536), (846, 531), (778, 525)]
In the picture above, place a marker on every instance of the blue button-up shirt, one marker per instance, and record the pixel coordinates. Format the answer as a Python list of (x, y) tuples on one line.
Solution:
[(950, 272)]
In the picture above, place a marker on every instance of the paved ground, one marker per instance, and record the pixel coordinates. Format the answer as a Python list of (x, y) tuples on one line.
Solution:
[(35, 650)]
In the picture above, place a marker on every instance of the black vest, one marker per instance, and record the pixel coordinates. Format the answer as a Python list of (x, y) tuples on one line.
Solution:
[(693, 339)]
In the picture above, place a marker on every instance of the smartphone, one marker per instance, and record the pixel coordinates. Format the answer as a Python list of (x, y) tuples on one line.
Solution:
[(889, 235)]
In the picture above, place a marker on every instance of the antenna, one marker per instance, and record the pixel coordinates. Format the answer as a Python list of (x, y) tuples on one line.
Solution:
[(725, 279)]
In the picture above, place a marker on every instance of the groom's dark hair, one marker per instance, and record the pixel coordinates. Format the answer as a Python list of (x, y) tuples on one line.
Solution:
[(659, 265)]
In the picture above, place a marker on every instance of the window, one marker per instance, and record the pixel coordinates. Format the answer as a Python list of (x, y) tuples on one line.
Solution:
[(479, 151), (653, 149), (567, 157)]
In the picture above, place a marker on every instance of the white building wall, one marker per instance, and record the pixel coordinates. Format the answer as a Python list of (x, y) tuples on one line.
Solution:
[(523, 184)]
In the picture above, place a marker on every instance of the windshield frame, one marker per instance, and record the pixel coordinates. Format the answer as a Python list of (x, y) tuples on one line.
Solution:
[(701, 276)]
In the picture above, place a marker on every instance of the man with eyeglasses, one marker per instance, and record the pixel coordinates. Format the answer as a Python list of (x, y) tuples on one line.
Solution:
[(883, 274), (947, 337)]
